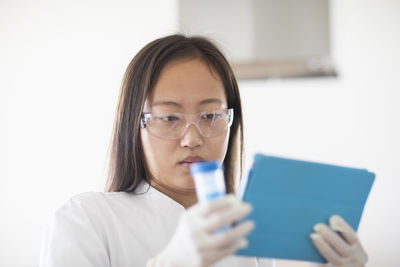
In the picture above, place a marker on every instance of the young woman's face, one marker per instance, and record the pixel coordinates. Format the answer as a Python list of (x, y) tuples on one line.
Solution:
[(188, 87)]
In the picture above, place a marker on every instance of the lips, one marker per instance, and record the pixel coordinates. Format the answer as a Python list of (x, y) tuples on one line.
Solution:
[(186, 162)]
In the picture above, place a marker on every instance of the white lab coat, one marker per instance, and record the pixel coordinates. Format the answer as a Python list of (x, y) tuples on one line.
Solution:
[(116, 230)]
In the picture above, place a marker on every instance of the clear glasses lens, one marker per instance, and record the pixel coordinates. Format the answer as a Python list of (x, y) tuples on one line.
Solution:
[(174, 125)]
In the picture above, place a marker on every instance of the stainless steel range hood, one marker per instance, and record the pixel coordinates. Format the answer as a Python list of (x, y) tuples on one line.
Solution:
[(265, 38)]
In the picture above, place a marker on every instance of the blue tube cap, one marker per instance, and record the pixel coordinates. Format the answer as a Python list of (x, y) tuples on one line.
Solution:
[(203, 166)]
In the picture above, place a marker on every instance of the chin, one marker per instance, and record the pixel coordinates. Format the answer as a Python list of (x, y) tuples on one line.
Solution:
[(186, 183)]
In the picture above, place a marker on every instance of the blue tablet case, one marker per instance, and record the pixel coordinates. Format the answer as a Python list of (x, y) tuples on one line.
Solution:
[(290, 196)]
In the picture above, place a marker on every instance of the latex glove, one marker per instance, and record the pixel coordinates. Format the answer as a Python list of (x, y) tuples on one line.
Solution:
[(194, 242), (338, 251)]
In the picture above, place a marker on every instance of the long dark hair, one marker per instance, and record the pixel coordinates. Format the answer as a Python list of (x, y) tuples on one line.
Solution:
[(127, 162)]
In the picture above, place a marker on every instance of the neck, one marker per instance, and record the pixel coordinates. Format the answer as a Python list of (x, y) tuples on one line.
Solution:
[(185, 197)]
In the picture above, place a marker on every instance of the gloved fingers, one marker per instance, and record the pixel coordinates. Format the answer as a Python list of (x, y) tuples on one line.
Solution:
[(326, 251), (337, 223), (241, 243), (227, 216), (215, 205), (217, 254), (333, 239), (226, 239)]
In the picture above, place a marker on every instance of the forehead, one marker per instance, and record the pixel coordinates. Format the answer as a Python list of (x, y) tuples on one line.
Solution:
[(188, 83)]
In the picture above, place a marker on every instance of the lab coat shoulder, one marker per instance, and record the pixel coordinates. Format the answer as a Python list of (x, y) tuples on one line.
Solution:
[(73, 235), (79, 204), (92, 208), (109, 229)]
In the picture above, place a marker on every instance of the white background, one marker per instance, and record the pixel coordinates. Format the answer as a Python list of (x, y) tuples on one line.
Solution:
[(61, 65)]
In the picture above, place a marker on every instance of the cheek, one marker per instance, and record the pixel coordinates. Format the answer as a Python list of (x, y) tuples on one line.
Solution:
[(218, 147), (157, 153)]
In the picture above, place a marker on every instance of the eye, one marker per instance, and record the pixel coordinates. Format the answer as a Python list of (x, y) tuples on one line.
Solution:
[(169, 118), (211, 116)]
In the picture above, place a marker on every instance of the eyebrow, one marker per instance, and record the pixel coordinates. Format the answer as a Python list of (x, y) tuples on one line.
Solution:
[(203, 102), (167, 103), (210, 101)]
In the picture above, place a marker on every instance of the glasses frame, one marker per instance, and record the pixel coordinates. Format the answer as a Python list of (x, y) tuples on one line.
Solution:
[(148, 115)]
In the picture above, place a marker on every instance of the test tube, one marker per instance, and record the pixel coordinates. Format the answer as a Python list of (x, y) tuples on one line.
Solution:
[(209, 180)]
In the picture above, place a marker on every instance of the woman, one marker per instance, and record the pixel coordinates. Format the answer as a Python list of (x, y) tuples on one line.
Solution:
[(175, 108)]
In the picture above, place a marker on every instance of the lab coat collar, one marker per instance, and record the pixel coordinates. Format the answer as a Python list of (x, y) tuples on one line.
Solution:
[(150, 191)]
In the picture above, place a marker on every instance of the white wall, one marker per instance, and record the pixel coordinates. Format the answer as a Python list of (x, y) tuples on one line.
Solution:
[(61, 64)]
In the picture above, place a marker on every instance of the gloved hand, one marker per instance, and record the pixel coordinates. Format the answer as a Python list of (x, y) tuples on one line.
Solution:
[(195, 243), (338, 251)]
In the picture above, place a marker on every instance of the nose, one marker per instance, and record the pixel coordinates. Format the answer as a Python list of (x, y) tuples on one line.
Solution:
[(192, 137)]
